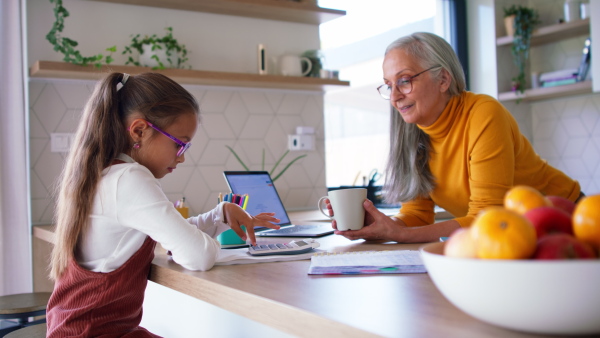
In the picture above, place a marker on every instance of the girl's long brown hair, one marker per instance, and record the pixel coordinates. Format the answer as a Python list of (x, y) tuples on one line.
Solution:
[(101, 136)]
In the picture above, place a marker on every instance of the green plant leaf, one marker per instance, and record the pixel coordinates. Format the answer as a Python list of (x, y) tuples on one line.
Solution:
[(65, 45), (287, 166), (525, 21), (238, 158), (278, 161), (167, 43)]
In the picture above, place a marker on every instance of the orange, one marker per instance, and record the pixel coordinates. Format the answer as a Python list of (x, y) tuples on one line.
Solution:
[(586, 220), (522, 198), (503, 234)]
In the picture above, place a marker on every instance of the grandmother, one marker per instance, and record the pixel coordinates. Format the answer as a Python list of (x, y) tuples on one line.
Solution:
[(448, 147)]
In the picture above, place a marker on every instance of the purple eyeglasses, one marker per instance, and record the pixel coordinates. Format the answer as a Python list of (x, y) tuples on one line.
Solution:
[(184, 146)]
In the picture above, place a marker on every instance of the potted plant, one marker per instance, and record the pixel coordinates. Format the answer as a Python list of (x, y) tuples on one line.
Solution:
[(263, 162), (525, 19), (157, 52), (67, 46)]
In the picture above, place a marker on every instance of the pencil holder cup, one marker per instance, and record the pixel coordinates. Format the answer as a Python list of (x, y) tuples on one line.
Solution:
[(229, 237), (184, 211)]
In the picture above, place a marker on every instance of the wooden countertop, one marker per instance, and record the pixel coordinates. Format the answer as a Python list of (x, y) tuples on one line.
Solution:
[(282, 295)]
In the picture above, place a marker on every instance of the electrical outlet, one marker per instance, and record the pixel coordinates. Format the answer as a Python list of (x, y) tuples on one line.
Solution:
[(61, 142), (301, 142)]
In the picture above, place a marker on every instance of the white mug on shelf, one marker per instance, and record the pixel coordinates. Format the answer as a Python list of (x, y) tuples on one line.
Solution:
[(291, 65), (347, 205)]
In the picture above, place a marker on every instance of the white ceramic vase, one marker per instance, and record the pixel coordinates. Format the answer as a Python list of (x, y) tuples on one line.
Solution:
[(509, 24), (146, 58)]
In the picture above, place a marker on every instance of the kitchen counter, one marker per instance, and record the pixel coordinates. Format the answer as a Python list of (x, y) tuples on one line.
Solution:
[(283, 296)]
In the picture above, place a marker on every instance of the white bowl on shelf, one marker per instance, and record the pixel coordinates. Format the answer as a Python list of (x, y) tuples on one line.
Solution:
[(544, 297)]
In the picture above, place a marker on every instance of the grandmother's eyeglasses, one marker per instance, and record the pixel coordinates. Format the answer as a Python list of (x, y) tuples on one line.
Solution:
[(403, 85)]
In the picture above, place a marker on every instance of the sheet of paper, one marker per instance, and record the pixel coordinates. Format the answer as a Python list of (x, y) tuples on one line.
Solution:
[(367, 262)]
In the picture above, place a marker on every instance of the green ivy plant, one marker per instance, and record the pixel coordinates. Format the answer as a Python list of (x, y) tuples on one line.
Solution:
[(176, 52), (525, 21), (66, 46), (263, 162)]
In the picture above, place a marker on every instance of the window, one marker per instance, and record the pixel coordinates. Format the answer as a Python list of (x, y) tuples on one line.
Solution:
[(357, 118)]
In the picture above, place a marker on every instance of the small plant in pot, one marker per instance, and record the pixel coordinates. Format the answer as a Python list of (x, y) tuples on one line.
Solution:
[(67, 46), (525, 20), (157, 52), (272, 172)]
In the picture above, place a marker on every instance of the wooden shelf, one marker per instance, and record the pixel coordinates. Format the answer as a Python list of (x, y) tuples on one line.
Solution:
[(539, 94), (281, 10), (553, 33), (62, 70)]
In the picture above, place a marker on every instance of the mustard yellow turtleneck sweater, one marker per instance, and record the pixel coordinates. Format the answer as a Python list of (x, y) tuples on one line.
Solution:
[(478, 154)]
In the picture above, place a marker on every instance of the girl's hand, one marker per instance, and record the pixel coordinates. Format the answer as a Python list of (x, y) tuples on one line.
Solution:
[(235, 216), (378, 226)]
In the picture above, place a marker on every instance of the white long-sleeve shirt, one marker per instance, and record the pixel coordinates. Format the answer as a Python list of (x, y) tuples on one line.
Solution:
[(130, 205)]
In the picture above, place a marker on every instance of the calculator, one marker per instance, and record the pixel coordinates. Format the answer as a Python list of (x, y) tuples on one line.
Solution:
[(290, 248)]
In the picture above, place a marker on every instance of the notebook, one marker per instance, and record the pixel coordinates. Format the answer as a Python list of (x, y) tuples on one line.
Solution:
[(263, 197), (366, 262)]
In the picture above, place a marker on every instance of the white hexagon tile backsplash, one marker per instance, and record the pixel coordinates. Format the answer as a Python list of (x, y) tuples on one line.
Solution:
[(565, 131)]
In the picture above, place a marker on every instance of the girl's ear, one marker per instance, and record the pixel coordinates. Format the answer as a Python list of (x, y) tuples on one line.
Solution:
[(445, 80), (137, 128)]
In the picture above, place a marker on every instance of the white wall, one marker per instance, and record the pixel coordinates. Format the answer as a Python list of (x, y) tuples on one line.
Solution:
[(216, 42), (482, 46)]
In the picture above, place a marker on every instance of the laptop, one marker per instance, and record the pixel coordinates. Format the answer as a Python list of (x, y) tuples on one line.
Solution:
[(263, 197)]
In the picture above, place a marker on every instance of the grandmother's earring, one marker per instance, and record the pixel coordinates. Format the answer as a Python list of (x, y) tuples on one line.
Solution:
[(136, 146)]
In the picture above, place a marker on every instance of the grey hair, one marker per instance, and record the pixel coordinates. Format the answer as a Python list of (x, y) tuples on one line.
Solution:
[(431, 50), (407, 172)]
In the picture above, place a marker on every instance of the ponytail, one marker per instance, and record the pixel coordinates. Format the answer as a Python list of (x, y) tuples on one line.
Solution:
[(100, 138)]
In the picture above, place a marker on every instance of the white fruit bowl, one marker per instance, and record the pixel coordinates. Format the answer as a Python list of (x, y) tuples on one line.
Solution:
[(546, 297)]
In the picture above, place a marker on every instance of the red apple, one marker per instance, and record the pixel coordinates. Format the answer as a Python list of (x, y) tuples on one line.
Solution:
[(562, 203), (548, 220), (563, 246)]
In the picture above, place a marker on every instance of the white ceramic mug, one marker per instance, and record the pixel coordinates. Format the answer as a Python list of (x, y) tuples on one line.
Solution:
[(291, 65), (348, 210)]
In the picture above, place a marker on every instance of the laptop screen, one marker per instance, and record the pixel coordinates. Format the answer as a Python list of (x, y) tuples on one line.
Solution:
[(263, 196)]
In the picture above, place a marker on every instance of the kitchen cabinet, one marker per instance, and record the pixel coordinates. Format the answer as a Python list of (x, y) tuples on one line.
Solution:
[(542, 36), (305, 11)]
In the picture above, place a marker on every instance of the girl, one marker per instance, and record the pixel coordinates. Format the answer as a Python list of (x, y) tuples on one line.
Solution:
[(111, 210)]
